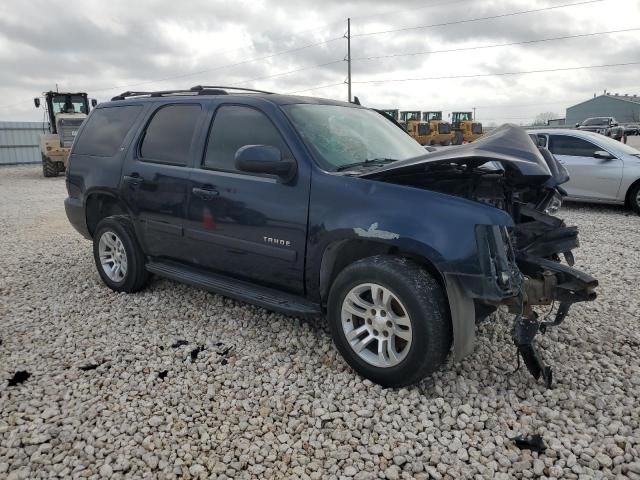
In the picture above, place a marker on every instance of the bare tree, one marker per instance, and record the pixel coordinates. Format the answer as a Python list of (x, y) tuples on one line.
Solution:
[(544, 117)]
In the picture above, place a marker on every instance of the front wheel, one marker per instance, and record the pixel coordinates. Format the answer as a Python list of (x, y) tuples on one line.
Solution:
[(49, 168), (634, 198), (389, 320), (118, 257)]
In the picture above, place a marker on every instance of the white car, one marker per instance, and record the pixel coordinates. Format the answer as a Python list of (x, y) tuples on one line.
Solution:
[(602, 169)]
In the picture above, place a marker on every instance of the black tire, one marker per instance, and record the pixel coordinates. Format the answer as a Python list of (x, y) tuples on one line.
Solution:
[(424, 301), (136, 276), (634, 197), (458, 138), (49, 168), (446, 143)]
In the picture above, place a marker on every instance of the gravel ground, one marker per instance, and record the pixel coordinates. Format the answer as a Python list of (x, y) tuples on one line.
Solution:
[(114, 394)]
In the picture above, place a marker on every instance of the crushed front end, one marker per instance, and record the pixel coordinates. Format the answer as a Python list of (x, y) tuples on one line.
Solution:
[(524, 265)]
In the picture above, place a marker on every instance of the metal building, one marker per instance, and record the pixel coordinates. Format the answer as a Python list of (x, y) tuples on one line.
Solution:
[(20, 142), (625, 108)]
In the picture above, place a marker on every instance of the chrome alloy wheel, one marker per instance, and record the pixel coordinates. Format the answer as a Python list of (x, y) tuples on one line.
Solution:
[(113, 256), (376, 325)]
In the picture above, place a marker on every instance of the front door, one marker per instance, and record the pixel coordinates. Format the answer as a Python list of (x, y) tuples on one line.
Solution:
[(590, 178), (247, 225), (155, 182)]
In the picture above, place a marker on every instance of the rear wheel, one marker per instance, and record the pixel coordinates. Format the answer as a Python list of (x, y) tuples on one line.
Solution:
[(446, 143), (49, 168), (389, 320), (634, 197), (118, 257)]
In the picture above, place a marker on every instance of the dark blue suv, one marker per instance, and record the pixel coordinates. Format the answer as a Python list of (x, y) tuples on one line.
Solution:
[(314, 207)]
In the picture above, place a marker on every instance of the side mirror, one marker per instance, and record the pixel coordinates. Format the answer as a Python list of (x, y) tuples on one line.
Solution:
[(36, 102), (265, 159), (602, 155), (577, 125), (94, 102), (614, 124)]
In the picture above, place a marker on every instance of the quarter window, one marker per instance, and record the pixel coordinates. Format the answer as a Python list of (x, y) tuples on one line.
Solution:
[(572, 146), (105, 130), (169, 134), (234, 127)]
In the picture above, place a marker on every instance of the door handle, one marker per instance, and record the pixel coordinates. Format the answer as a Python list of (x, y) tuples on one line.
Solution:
[(133, 179), (205, 193)]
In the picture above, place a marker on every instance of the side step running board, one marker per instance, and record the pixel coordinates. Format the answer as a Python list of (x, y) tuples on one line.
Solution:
[(265, 297)]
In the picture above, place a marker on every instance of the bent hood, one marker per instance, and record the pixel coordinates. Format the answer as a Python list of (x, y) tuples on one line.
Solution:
[(509, 145)]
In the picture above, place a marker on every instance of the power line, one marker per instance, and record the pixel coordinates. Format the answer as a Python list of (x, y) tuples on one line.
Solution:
[(496, 45), (288, 72), (479, 75), (432, 5), (220, 67), (491, 17), (315, 88)]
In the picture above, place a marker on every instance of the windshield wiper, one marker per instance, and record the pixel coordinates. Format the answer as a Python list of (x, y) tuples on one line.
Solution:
[(371, 161)]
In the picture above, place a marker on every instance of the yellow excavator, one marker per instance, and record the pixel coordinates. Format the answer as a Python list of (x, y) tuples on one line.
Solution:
[(465, 128)]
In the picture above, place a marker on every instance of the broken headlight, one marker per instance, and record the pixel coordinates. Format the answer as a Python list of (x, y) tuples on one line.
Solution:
[(554, 204)]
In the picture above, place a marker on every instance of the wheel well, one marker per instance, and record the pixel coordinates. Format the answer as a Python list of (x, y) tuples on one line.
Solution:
[(627, 197), (100, 206), (340, 254)]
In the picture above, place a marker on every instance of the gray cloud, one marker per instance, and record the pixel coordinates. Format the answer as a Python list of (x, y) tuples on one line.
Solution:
[(107, 47)]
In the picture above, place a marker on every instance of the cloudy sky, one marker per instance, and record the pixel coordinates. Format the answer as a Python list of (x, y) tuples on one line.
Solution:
[(105, 48)]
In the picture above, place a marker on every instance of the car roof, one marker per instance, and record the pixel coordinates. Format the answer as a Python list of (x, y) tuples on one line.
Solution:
[(565, 131), (275, 98)]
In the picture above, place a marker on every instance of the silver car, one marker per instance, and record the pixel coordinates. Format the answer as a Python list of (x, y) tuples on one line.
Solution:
[(602, 169)]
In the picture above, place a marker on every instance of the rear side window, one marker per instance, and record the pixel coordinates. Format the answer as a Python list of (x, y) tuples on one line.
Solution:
[(169, 134), (576, 147), (234, 127), (105, 130)]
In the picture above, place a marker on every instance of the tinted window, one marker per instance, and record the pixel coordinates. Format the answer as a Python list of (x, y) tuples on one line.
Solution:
[(105, 130), (234, 127), (576, 147), (169, 134), (596, 121)]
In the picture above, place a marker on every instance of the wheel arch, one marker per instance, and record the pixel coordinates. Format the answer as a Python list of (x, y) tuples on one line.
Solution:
[(341, 253), (627, 196), (101, 204)]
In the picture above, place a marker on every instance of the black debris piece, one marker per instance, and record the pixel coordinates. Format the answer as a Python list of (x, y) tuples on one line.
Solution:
[(90, 366), (224, 361), (224, 352), (161, 347), (163, 374), (533, 443), (179, 344), (19, 377), (195, 352), (219, 344)]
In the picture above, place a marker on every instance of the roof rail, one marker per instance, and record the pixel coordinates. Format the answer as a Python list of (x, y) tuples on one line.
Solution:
[(197, 90)]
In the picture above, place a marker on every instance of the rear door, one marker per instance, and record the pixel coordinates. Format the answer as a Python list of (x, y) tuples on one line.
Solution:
[(248, 225), (591, 178), (155, 178)]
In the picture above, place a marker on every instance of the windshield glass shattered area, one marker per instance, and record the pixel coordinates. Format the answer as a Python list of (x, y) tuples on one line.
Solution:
[(340, 136)]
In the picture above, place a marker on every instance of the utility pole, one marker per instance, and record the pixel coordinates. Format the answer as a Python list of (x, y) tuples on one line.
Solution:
[(474, 113), (348, 59)]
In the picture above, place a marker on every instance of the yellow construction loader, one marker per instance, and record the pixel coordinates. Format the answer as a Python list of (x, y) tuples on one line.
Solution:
[(439, 130), (66, 112), (465, 128)]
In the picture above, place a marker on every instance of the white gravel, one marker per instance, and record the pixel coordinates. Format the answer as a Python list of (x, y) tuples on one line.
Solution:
[(268, 396)]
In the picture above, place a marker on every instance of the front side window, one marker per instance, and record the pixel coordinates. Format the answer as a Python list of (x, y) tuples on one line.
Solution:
[(572, 146), (340, 136), (596, 122), (169, 134), (105, 130), (234, 127)]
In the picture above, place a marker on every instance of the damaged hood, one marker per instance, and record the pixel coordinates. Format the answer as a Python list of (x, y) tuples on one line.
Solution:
[(508, 145)]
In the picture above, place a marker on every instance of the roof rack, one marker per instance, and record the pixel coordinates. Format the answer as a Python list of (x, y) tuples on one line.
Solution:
[(197, 90)]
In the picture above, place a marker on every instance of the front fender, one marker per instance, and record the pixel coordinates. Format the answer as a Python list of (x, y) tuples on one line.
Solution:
[(436, 227)]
